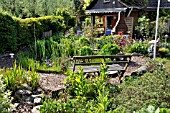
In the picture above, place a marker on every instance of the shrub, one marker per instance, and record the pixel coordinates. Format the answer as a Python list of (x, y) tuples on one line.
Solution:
[(85, 50), (104, 40), (47, 49), (49, 54), (83, 41), (165, 45), (121, 41), (40, 50), (67, 48), (26, 60), (109, 49), (139, 47), (5, 99), (163, 50)]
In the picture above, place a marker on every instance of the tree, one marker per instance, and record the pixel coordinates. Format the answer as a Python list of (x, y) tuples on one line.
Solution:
[(78, 4), (34, 8), (87, 3)]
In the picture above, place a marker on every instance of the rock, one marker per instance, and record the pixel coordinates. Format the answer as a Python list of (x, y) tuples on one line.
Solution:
[(36, 96), (25, 98), (33, 97), (23, 92), (22, 95), (23, 108), (39, 90), (15, 105), (37, 101), (114, 81), (35, 109), (26, 87), (57, 91), (140, 71)]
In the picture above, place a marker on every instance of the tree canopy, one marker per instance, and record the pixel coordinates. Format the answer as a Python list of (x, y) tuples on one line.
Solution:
[(34, 8)]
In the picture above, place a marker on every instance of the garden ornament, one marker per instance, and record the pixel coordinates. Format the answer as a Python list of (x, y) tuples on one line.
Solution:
[(11, 55)]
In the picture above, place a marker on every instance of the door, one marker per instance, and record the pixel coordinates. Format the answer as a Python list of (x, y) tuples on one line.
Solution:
[(111, 21)]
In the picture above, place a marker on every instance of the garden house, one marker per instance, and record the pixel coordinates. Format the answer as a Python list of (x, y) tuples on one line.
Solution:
[(109, 16), (115, 16)]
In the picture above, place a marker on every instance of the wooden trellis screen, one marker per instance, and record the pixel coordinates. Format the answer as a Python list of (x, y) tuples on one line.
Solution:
[(47, 34)]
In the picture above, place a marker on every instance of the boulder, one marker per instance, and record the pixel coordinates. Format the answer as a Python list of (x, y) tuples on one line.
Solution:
[(37, 100), (23, 92), (140, 71)]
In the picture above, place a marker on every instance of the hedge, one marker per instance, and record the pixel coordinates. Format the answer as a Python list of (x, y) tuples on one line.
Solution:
[(8, 35), (26, 28), (17, 32)]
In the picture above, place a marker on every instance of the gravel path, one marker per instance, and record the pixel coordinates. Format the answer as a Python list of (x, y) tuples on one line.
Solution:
[(51, 82)]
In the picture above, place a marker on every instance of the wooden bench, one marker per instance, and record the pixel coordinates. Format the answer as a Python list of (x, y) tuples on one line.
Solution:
[(91, 64)]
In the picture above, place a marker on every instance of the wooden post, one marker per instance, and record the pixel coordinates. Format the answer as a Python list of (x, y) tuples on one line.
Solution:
[(93, 20), (35, 43), (105, 24)]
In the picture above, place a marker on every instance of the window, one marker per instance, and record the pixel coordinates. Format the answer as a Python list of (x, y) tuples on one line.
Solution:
[(106, 0)]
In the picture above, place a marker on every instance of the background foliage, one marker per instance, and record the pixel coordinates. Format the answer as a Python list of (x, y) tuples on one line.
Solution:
[(35, 8)]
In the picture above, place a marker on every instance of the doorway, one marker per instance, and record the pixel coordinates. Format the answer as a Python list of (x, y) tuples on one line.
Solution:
[(109, 22)]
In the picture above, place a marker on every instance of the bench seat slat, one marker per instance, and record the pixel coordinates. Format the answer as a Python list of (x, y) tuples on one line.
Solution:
[(114, 67)]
